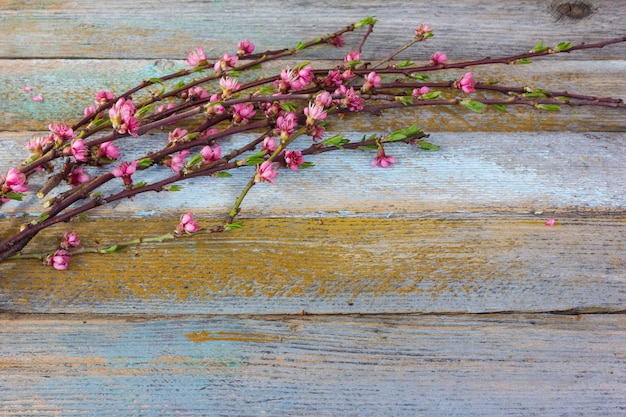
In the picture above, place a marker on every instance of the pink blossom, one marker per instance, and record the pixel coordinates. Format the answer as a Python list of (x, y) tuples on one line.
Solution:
[(103, 97), (27, 88), (305, 77), (60, 260), (372, 80), (187, 224), (38, 97), (338, 41), (177, 135), (550, 222), (107, 150), (314, 113), (125, 171), (423, 32), (78, 176), (286, 124), (293, 159), (295, 79), (211, 154), (419, 92), (243, 112), (324, 99), (78, 150), (352, 101), (438, 58), (177, 162), (15, 181), (267, 171), (316, 132), (245, 47), (36, 145), (196, 57), (467, 83), (333, 79), (383, 160), (269, 144), (122, 116), (229, 86), (165, 107), (89, 111), (60, 132), (194, 93), (226, 62), (70, 240), (353, 56)]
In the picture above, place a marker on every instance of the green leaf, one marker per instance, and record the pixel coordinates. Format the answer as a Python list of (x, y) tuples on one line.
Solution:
[(233, 226), (14, 196), (145, 109), (406, 100), (368, 148), (257, 158), (404, 64), (234, 73), (288, 106), (563, 46), (173, 187), (300, 46), (306, 164), (155, 80), (549, 107), (301, 65), (196, 159), (139, 184), (402, 134), (473, 105), (523, 61), (499, 107), (367, 21), (538, 93), (540, 47), (337, 140), (145, 162), (427, 146), (432, 95), (266, 89), (420, 77), (223, 174), (180, 84), (110, 249)]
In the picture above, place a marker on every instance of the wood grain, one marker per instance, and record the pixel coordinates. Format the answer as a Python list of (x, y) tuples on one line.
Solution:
[(491, 365)]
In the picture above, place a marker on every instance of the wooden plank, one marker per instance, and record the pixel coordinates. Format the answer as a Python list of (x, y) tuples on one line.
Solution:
[(429, 265), (146, 29), (68, 86), (486, 365)]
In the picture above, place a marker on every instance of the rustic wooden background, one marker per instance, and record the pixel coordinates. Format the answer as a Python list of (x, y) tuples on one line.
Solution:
[(431, 289)]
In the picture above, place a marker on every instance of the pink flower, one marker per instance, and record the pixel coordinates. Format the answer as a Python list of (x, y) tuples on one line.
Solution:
[(60, 260), (286, 124), (177, 162), (383, 160), (165, 107), (372, 80), (89, 110), (243, 112), (438, 58), (293, 159), (353, 56), (78, 150), (229, 86), (27, 88), (352, 101), (187, 224), (316, 132), (108, 151), (196, 57), (122, 116), (226, 62), (295, 79), (103, 96), (125, 171), (324, 99), (269, 144), (419, 92), (314, 113), (267, 171), (423, 32), (177, 135), (245, 47), (333, 79), (211, 154), (60, 132), (38, 97), (194, 93), (337, 41), (467, 83), (70, 240), (550, 222), (305, 77), (77, 177), (15, 181), (36, 145)]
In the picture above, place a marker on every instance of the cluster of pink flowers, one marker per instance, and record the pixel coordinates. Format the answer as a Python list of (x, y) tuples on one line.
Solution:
[(292, 79), (60, 132), (101, 97), (423, 32), (285, 124), (14, 181), (107, 152), (353, 56), (420, 92), (78, 176), (314, 112), (351, 100), (269, 144), (195, 93), (188, 224), (122, 116), (60, 260)]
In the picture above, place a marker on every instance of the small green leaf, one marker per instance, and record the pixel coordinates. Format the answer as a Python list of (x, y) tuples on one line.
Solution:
[(145, 163), (500, 107), (402, 134), (427, 146), (144, 110), (257, 158), (406, 100), (432, 95), (266, 89), (404, 64), (367, 21), (420, 77), (223, 174), (234, 73), (523, 61), (196, 159), (180, 84), (549, 107), (139, 184), (233, 226), (337, 140), (301, 65), (110, 249), (473, 105), (300, 46), (288, 106), (563, 46), (173, 187), (306, 164), (537, 93), (14, 196), (155, 80), (540, 47)]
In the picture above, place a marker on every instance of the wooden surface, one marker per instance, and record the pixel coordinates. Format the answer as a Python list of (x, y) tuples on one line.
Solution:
[(429, 289)]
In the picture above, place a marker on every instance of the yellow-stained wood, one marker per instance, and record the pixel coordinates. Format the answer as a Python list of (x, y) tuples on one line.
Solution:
[(364, 265), (504, 365)]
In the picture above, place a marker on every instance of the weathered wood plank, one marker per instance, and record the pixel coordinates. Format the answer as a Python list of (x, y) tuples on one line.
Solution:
[(437, 265), (488, 365), (148, 29), (68, 86)]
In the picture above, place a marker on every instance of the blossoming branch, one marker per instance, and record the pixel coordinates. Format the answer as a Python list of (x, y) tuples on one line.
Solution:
[(210, 102)]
